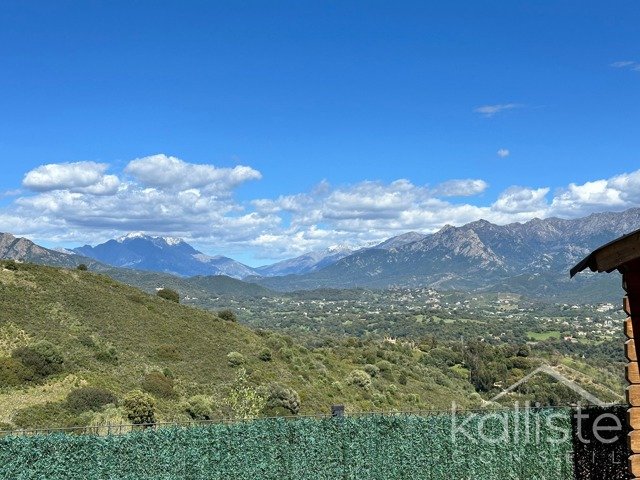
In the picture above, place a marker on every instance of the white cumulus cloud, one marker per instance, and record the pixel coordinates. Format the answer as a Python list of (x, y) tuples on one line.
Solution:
[(460, 188), (162, 171), (80, 202), (87, 177), (531, 201)]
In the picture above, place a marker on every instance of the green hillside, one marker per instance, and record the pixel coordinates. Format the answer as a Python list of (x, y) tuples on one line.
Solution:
[(195, 287), (65, 330)]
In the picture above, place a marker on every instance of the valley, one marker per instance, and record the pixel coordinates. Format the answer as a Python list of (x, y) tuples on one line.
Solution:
[(395, 350)]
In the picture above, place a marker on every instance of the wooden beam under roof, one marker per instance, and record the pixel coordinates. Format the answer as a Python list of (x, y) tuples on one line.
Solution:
[(611, 256)]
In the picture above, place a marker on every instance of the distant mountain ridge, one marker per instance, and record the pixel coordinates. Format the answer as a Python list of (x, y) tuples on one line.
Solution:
[(24, 250), (531, 257), (309, 262), (163, 254), (400, 240), (174, 256)]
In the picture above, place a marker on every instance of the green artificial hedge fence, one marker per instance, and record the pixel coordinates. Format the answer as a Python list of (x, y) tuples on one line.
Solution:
[(519, 445)]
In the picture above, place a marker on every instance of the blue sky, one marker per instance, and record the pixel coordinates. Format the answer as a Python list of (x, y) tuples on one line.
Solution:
[(352, 118)]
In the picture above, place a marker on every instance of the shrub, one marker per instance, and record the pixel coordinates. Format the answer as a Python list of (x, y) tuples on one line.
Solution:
[(82, 267), (522, 363), (227, 315), (43, 358), (140, 408), (158, 384), (413, 398), (108, 354), (89, 398), (11, 338), (11, 265), (372, 370), (281, 397), (359, 378), (13, 373), (287, 353), (384, 366), (168, 352), (379, 399), (275, 342), (352, 342), (265, 355), (87, 341), (244, 400), (169, 294), (443, 356), (200, 407), (235, 359), (136, 298), (402, 379)]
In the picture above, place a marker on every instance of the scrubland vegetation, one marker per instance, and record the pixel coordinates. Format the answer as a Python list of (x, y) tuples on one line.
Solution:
[(78, 348)]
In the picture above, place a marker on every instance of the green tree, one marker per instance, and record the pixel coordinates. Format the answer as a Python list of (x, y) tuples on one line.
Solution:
[(244, 400), (359, 378), (89, 398), (43, 358), (227, 315), (169, 294), (200, 407), (265, 355), (158, 384), (11, 265), (140, 408), (235, 359), (281, 397), (372, 370), (13, 373), (483, 378), (524, 351)]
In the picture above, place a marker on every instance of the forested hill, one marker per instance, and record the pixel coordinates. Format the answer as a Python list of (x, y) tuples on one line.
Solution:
[(65, 330), (75, 344)]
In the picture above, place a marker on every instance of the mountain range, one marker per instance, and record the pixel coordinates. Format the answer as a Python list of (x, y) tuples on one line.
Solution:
[(531, 258), (163, 254), (524, 257), (22, 249), (175, 256), (307, 263)]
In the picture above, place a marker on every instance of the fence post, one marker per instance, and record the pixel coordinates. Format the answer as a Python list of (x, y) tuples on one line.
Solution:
[(337, 410)]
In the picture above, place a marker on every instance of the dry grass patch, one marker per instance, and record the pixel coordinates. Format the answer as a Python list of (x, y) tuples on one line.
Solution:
[(53, 391)]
